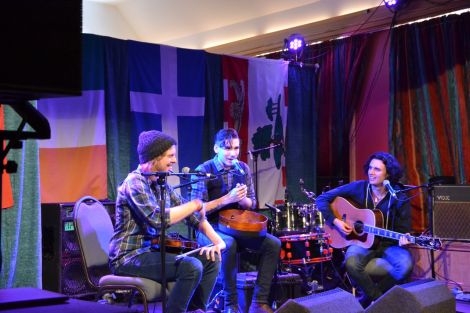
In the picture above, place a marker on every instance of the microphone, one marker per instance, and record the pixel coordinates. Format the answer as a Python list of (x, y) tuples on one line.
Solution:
[(237, 166), (159, 174), (393, 192), (186, 170)]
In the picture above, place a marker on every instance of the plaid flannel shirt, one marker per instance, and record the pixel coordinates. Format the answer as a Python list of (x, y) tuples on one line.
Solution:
[(199, 189), (138, 219)]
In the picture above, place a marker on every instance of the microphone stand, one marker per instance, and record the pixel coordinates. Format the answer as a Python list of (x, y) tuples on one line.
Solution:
[(429, 188), (161, 181), (255, 154)]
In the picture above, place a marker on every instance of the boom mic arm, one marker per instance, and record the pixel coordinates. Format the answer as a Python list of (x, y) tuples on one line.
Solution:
[(309, 194)]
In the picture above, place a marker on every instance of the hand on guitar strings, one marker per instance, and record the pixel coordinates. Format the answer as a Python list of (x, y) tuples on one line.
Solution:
[(237, 194), (342, 226), (404, 240), (213, 252)]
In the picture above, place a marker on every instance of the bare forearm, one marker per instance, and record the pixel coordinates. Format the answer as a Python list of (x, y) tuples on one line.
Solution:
[(207, 229), (246, 203), (215, 204), (181, 211)]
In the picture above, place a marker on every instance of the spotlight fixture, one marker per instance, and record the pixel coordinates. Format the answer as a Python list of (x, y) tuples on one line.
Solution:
[(293, 47), (391, 3), (395, 5)]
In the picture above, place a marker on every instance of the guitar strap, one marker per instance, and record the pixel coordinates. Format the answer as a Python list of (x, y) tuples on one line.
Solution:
[(369, 189)]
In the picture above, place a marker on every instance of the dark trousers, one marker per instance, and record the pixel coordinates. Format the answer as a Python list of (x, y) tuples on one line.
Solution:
[(376, 271), (195, 278), (269, 248)]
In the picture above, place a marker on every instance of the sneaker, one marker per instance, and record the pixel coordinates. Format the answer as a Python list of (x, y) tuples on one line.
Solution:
[(260, 308), (233, 309)]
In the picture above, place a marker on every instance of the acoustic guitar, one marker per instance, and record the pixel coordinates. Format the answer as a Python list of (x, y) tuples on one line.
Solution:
[(242, 223), (366, 225)]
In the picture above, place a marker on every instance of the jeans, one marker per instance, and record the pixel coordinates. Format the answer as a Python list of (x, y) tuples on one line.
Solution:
[(269, 248), (389, 266), (195, 277)]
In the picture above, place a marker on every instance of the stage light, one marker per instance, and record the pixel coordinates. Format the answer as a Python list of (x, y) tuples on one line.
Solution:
[(395, 5), (293, 47), (391, 3)]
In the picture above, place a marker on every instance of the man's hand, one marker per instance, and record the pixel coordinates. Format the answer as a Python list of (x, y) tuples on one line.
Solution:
[(213, 252), (236, 194), (404, 240), (342, 226)]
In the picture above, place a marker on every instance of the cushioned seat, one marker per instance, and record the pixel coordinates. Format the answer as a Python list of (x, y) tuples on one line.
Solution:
[(94, 230)]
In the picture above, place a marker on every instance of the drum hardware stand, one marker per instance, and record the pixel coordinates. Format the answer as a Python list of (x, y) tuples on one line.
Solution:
[(217, 303), (254, 157), (306, 271), (309, 194), (345, 277)]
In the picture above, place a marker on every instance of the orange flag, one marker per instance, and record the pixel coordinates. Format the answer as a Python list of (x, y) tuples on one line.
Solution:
[(7, 195)]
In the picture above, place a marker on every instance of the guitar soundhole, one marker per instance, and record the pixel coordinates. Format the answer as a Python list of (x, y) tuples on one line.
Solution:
[(359, 227)]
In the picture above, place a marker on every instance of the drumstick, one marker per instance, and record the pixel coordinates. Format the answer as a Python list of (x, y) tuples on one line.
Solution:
[(192, 251)]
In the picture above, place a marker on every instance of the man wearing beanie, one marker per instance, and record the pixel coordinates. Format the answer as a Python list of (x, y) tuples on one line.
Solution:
[(138, 222)]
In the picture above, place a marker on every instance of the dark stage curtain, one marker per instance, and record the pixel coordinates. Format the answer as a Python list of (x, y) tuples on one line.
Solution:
[(301, 133), (430, 101), (214, 105), (342, 65)]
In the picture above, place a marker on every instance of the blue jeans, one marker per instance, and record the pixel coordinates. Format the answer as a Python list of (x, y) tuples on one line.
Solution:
[(195, 277), (389, 266), (269, 247)]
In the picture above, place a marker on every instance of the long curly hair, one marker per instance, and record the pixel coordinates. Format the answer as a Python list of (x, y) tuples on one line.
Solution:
[(394, 169)]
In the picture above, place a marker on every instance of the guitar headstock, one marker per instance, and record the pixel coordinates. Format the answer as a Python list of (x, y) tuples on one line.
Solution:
[(428, 242)]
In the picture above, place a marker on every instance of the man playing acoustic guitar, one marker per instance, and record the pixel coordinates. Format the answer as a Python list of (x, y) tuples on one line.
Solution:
[(233, 189), (132, 250), (386, 259)]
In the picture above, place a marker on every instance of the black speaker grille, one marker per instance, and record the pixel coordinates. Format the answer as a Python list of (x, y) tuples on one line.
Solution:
[(62, 267), (73, 280), (451, 212)]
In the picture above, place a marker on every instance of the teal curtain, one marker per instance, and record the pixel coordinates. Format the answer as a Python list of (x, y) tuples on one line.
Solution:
[(21, 224), (117, 106)]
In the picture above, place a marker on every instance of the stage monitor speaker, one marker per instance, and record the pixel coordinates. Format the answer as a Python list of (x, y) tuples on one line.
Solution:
[(422, 296), (332, 301), (451, 212), (62, 269)]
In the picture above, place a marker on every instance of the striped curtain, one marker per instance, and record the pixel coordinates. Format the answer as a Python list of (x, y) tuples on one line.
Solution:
[(430, 102)]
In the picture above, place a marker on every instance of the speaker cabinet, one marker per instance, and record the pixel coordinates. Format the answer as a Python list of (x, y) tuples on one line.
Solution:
[(332, 301), (423, 296), (62, 269), (451, 212)]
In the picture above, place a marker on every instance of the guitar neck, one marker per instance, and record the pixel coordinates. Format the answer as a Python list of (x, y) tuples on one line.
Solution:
[(386, 233)]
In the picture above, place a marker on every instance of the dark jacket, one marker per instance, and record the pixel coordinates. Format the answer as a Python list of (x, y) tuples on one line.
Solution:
[(399, 219)]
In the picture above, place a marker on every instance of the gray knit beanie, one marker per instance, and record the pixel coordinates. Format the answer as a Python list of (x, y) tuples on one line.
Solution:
[(153, 143)]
